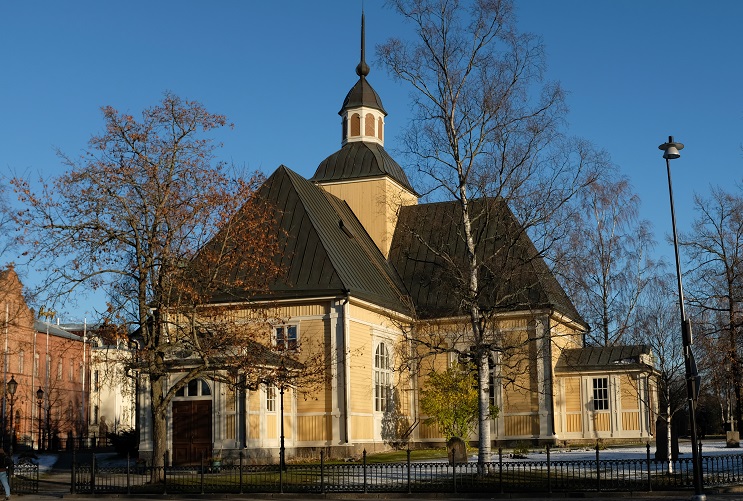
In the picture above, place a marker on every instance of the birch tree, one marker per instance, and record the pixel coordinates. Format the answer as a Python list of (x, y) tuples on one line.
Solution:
[(487, 129), (606, 263), (658, 327)]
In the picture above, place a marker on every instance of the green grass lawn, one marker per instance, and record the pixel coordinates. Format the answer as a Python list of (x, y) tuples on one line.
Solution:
[(401, 456)]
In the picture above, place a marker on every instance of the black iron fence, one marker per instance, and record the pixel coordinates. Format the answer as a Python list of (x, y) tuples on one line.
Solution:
[(507, 475), (25, 479)]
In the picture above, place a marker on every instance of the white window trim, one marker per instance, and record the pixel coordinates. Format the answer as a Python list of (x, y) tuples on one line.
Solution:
[(286, 326)]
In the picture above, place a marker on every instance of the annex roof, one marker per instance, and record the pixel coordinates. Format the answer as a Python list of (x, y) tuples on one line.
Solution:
[(601, 358), (429, 251)]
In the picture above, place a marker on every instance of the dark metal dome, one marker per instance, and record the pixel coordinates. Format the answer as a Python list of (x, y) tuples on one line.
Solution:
[(360, 159)]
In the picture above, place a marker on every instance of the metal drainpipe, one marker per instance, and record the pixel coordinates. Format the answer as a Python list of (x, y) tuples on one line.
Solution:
[(346, 367)]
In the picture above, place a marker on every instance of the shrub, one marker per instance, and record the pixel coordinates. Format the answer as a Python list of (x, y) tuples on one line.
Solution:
[(125, 442)]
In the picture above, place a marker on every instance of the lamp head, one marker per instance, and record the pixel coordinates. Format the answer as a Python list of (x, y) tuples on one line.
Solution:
[(39, 394), (671, 149), (12, 385)]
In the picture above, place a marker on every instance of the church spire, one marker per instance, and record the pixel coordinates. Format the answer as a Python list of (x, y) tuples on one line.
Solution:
[(362, 110), (362, 69)]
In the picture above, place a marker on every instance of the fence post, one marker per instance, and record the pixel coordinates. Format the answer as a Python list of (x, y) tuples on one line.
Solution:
[(454, 469), (598, 468), (92, 475), (500, 468), (365, 491), (322, 472), (128, 478), (650, 478), (281, 474), (701, 473), (549, 471), (409, 491), (241, 471), (165, 474), (72, 472), (202, 473)]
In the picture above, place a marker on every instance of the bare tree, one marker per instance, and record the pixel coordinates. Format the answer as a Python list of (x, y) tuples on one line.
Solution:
[(606, 262), (129, 217), (658, 327), (486, 133), (714, 249)]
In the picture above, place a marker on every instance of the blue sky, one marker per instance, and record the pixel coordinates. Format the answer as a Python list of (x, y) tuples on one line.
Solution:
[(636, 71)]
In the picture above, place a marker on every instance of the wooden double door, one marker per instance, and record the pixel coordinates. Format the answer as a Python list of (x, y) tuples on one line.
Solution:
[(192, 431)]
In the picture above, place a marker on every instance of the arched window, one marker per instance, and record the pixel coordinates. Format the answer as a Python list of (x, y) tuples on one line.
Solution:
[(194, 388), (382, 378), (380, 129), (370, 123), (344, 132), (355, 125)]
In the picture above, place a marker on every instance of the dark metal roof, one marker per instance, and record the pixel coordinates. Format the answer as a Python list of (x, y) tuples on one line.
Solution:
[(603, 358), (325, 249), (357, 160), (428, 251), (55, 330), (362, 94)]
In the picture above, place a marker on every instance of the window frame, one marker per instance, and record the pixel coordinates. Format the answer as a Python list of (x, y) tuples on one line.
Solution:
[(289, 340), (600, 386), (382, 378), (270, 398)]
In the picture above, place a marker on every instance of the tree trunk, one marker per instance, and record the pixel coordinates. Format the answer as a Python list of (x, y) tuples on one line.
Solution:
[(159, 430), (483, 376), (668, 436)]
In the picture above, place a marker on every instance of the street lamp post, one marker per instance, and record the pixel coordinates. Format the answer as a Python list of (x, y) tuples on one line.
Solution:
[(670, 152), (12, 387), (39, 399), (282, 448)]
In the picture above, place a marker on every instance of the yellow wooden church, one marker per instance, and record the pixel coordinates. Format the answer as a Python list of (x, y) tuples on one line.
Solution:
[(356, 269)]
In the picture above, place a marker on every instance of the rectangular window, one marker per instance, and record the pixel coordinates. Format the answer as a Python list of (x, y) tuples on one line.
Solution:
[(382, 391), (286, 337), (271, 398), (601, 394), (72, 370), (95, 380), (230, 408), (59, 370), (36, 364), (21, 356)]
